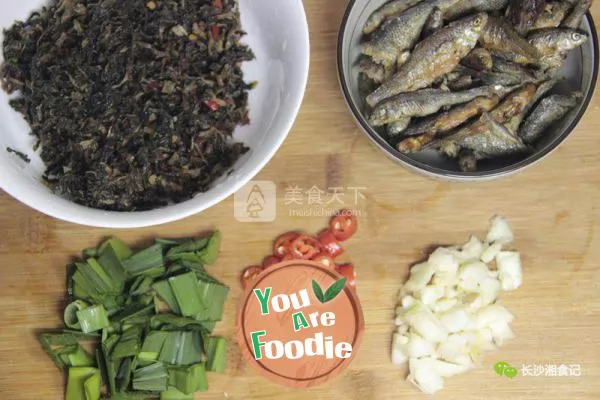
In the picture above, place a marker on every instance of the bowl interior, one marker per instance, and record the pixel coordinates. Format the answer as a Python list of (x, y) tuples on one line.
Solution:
[(281, 68), (579, 73)]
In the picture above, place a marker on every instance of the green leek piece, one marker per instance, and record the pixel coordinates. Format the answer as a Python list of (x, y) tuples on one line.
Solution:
[(121, 250), (205, 250), (153, 345), (113, 253), (92, 386), (129, 343), (123, 378), (70, 315), (171, 242), (182, 348), (189, 380), (141, 286), (185, 290), (216, 354), (133, 311), (76, 383), (93, 318), (148, 260), (213, 297), (154, 378), (172, 322), (210, 253), (81, 358), (164, 291), (60, 345), (174, 394)]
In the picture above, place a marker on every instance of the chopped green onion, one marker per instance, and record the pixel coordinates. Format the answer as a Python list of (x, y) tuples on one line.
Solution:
[(93, 318), (164, 291), (129, 343), (187, 250), (150, 259), (90, 252), (81, 358), (189, 380), (121, 250), (213, 297), (216, 353), (70, 315), (182, 348), (185, 290), (76, 383), (153, 345), (123, 378), (154, 378), (209, 254)]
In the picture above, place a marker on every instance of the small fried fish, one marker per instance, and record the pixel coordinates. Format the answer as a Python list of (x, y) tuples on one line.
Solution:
[(541, 91), (550, 110), (500, 37), (574, 19), (386, 11), (397, 34), (434, 57), (486, 138), (553, 15), (523, 14), (470, 6), (422, 103), (378, 73), (453, 118), (415, 144), (552, 44)]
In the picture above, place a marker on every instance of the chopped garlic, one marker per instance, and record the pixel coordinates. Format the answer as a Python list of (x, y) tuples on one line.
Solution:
[(510, 270), (500, 232)]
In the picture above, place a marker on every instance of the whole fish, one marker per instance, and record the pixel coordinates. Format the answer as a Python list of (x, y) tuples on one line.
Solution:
[(552, 44), (434, 57), (453, 118), (397, 127), (434, 22), (422, 103), (500, 37), (550, 110), (523, 14), (574, 19), (553, 15), (479, 59), (386, 11), (397, 34), (378, 73), (470, 6), (486, 138)]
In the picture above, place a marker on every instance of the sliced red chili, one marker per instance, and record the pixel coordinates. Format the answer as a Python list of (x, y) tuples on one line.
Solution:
[(305, 247), (270, 261), (344, 225), (283, 244), (250, 274), (325, 259), (348, 272), (215, 31), (212, 104), (330, 243), (217, 3)]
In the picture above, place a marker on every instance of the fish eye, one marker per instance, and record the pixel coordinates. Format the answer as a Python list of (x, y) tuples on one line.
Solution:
[(576, 36), (478, 21)]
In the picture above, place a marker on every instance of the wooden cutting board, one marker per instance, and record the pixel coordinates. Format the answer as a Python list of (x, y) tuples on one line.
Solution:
[(553, 208)]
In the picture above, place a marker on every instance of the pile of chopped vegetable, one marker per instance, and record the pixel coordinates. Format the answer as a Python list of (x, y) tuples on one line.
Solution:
[(139, 325), (449, 312), (323, 248)]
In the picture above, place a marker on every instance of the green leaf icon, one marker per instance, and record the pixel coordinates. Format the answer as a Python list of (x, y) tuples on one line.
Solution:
[(510, 372), (330, 293), (318, 291), (500, 367), (334, 290)]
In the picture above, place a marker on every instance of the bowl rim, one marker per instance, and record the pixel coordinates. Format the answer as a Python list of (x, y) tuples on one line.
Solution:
[(439, 173), (98, 218)]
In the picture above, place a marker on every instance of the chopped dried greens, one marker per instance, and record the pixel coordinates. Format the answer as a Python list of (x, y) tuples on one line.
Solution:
[(133, 102)]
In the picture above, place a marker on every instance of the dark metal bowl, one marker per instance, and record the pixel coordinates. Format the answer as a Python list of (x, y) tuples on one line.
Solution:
[(580, 72)]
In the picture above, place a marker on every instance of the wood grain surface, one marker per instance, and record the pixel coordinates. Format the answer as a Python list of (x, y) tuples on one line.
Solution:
[(553, 208)]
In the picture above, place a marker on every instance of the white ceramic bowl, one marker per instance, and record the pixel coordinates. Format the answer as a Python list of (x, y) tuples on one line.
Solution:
[(278, 34)]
